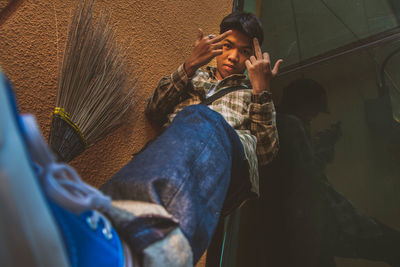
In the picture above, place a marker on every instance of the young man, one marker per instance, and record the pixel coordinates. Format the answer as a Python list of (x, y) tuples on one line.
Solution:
[(206, 161), (167, 200), (249, 111)]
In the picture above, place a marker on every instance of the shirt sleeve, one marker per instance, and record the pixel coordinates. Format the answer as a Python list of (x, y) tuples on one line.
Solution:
[(171, 90), (263, 125)]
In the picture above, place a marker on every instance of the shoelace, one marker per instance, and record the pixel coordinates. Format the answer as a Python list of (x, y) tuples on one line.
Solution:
[(61, 183)]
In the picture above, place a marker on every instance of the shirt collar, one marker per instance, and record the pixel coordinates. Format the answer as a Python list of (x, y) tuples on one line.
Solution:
[(233, 79)]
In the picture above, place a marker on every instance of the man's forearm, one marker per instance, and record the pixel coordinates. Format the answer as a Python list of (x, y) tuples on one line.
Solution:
[(169, 92), (263, 126)]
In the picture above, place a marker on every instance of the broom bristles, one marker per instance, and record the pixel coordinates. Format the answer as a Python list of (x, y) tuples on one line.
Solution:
[(95, 85)]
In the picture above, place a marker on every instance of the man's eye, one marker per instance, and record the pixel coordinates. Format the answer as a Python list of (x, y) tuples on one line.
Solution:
[(227, 46)]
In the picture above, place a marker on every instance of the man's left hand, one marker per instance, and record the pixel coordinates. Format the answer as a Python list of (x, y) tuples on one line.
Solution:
[(259, 69)]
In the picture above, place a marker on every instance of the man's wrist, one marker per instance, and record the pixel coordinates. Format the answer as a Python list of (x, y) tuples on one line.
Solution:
[(261, 98), (179, 78), (189, 69), (260, 91), (260, 86)]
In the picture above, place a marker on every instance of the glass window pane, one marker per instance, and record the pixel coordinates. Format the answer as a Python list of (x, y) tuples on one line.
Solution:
[(297, 30), (333, 192)]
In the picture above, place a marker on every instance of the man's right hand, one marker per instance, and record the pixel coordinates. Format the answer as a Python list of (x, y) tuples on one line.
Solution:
[(205, 49)]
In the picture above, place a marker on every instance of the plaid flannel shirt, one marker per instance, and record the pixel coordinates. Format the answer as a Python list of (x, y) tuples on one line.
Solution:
[(252, 116)]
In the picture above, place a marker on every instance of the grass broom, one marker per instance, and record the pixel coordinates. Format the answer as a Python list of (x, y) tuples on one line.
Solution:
[(95, 87)]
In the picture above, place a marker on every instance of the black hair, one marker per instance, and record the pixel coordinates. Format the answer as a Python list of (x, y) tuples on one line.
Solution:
[(304, 94), (244, 22)]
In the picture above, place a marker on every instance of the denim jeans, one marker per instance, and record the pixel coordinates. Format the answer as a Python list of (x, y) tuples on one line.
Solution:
[(194, 169)]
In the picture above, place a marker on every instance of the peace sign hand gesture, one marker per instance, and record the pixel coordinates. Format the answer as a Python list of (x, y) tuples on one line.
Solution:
[(205, 49), (259, 69)]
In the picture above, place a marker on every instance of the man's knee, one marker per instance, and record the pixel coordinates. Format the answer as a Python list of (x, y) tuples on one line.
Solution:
[(200, 112)]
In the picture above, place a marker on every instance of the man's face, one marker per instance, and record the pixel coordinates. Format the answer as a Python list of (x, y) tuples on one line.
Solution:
[(237, 48)]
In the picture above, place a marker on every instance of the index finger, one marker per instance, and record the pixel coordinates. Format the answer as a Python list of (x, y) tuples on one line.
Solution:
[(257, 49), (221, 36)]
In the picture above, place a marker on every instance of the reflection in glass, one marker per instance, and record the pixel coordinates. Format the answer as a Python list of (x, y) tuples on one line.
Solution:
[(344, 46), (299, 30)]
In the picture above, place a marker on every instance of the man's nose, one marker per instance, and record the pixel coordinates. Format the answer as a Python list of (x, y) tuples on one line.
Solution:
[(234, 55)]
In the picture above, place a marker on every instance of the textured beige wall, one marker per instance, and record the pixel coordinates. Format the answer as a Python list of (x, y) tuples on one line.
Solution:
[(159, 33)]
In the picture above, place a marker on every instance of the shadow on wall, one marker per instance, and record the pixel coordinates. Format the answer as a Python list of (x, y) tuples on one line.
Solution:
[(7, 8)]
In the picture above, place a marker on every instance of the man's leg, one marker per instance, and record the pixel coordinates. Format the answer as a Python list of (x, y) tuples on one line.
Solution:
[(49, 208), (48, 212), (188, 171)]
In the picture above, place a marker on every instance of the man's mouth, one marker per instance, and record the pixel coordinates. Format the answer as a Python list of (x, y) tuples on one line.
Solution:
[(228, 66)]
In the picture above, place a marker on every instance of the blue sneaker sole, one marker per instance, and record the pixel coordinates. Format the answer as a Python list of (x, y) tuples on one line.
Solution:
[(28, 232)]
